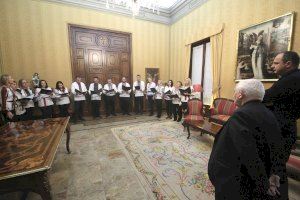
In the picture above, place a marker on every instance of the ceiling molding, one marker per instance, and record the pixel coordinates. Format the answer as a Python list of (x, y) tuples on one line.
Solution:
[(166, 16)]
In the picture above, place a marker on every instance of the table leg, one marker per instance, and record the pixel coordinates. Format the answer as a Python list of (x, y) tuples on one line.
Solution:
[(44, 188), (68, 131), (188, 129)]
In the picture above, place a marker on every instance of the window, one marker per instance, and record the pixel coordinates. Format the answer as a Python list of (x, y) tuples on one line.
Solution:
[(201, 69)]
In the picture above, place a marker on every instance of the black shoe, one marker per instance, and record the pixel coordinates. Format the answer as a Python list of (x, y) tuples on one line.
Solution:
[(179, 119), (175, 119), (128, 114), (114, 114), (82, 119), (107, 115), (151, 114), (124, 113)]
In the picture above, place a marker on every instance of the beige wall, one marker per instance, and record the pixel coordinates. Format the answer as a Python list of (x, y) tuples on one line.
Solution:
[(34, 38), (236, 15)]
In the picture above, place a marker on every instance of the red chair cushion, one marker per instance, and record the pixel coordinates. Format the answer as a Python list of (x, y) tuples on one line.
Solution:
[(193, 118), (294, 162)]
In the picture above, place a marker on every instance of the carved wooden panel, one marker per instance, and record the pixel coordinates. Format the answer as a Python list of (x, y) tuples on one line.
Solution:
[(102, 53)]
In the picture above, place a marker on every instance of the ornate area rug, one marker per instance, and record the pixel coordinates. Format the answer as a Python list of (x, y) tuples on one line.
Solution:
[(168, 164)]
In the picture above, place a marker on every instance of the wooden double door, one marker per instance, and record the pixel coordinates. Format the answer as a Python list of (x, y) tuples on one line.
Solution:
[(100, 53)]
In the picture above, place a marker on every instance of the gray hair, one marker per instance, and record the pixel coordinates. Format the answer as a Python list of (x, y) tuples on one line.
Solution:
[(252, 89)]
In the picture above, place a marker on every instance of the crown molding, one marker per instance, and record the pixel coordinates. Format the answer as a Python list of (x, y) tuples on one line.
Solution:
[(166, 16)]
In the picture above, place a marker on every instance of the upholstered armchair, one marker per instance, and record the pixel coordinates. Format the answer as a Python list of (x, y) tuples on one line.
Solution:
[(222, 110), (195, 114)]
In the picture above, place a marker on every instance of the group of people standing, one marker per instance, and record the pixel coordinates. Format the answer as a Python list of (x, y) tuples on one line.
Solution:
[(18, 100), (175, 97)]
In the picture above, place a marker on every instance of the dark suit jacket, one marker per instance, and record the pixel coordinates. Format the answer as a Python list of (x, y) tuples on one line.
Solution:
[(283, 98), (247, 145)]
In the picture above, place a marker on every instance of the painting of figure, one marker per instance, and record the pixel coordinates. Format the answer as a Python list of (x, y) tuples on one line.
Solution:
[(259, 44)]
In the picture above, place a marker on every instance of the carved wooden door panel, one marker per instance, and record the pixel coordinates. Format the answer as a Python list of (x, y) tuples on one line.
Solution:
[(102, 53)]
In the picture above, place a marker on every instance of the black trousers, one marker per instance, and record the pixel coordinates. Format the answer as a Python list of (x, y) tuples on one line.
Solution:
[(169, 107), (78, 108), (150, 104), (95, 105), (124, 104), (139, 104), (63, 110), (29, 113), (177, 110), (110, 105), (158, 103), (47, 112), (184, 106)]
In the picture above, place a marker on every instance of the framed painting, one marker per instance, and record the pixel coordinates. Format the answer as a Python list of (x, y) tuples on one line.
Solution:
[(259, 44), (152, 73)]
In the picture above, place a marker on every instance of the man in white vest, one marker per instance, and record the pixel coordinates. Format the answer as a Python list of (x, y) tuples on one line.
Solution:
[(124, 91), (79, 91), (138, 90)]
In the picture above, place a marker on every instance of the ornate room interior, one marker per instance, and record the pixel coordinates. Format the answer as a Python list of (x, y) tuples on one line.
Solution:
[(121, 151)]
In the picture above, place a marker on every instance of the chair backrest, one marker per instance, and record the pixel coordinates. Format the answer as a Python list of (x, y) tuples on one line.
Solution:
[(197, 88), (195, 107), (224, 106)]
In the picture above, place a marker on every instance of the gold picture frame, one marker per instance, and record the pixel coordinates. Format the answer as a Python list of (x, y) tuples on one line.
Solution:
[(153, 73), (258, 45)]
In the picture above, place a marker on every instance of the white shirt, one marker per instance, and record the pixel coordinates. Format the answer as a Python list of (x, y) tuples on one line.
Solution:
[(166, 89), (95, 97), (19, 109), (74, 87), (108, 87), (159, 93), (43, 99), (9, 98), (30, 103), (186, 98), (176, 100), (149, 86), (61, 100), (122, 92), (140, 92)]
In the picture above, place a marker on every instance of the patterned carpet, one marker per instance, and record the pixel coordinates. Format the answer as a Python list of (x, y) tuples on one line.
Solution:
[(168, 164)]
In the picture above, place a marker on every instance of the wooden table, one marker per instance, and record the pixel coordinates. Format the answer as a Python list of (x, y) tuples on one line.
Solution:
[(205, 126), (27, 150)]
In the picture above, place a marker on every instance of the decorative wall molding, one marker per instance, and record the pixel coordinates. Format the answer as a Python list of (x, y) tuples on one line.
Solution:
[(166, 16)]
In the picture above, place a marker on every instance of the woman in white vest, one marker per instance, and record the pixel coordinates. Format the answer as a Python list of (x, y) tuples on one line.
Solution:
[(150, 95), (62, 97), (168, 101), (158, 97), (176, 102), (19, 104), (28, 94), (7, 98), (44, 95), (185, 97)]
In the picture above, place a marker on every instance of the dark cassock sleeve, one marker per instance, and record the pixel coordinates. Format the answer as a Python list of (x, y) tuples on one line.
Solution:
[(274, 140), (245, 144), (281, 89)]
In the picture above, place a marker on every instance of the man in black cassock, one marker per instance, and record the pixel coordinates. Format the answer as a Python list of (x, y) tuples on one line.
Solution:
[(283, 99), (245, 160)]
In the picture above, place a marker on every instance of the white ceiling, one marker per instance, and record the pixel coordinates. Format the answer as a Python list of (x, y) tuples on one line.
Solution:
[(167, 4), (170, 11)]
